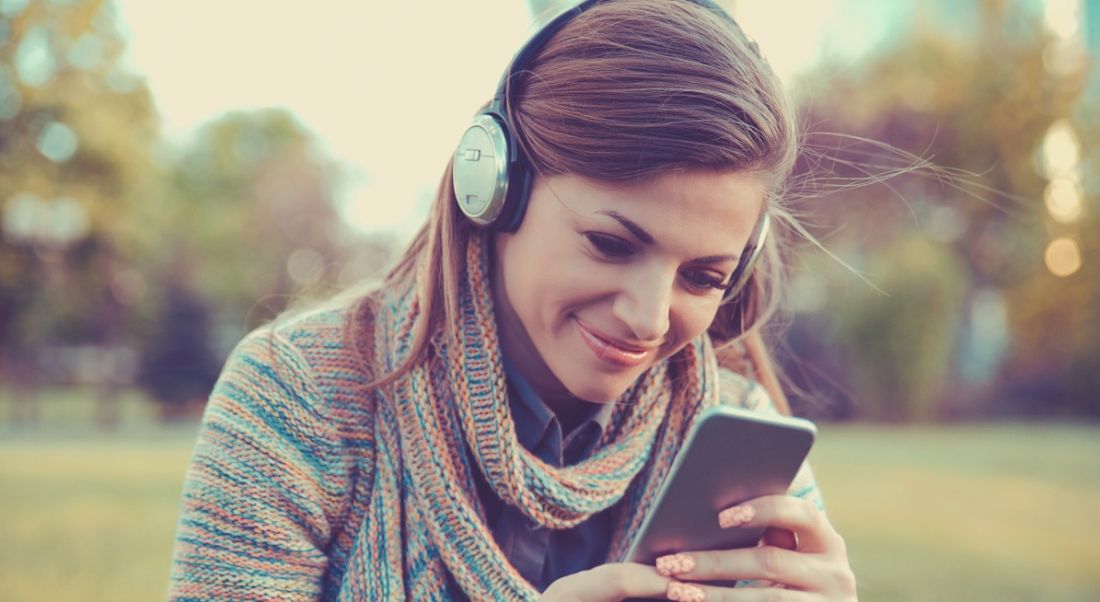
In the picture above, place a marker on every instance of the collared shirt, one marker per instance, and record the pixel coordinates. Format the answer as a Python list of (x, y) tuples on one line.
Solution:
[(540, 554)]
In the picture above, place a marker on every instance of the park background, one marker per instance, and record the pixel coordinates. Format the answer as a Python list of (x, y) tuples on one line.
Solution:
[(173, 175)]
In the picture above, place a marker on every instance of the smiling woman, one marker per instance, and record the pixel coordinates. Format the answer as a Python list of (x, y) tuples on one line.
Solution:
[(626, 275), (494, 420)]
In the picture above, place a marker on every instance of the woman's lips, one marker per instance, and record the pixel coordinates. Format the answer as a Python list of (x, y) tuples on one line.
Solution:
[(608, 351)]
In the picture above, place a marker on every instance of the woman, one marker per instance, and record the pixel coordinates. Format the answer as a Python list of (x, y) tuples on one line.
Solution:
[(492, 422)]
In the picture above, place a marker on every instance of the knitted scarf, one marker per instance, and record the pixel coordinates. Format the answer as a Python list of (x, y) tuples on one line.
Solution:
[(425, 520)]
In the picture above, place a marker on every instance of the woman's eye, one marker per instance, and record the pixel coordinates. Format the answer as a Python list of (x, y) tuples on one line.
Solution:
[(609, 245), (705, 280)]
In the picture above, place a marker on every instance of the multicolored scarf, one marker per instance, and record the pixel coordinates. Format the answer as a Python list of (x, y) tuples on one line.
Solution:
[(426, 524)]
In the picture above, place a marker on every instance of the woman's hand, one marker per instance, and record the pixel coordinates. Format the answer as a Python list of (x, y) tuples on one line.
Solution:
[(610, 583), (800, 553)]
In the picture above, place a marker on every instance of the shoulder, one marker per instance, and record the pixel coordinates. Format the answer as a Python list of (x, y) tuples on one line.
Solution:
[(304, 361), (275, 450), (737, 390), (291, 344), (323, 336), (321, 323)]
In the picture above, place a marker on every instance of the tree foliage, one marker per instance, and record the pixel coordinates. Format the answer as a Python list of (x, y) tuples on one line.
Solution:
[(76, 131), (977, 106), (112, 237)]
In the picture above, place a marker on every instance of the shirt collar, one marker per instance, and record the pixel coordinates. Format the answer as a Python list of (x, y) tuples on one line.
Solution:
[(533, 417)]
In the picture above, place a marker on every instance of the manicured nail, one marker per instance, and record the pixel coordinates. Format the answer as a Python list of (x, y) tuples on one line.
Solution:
[(674, 564), (735, 516), (684, 592)]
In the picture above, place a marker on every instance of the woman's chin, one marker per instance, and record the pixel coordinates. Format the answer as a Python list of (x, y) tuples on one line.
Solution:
[(599, 392), (598, 384)]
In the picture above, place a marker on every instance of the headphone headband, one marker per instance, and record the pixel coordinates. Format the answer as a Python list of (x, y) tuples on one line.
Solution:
[(550, 26), (491, 177), (552, 23)]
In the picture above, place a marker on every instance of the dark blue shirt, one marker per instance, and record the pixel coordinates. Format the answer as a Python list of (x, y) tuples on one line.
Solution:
[(540, 554)]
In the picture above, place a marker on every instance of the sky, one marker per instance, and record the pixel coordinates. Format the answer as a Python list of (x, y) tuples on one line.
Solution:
[(387, 87)]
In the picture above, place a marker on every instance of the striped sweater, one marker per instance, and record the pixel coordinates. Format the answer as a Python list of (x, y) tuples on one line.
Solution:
[(276, 492)]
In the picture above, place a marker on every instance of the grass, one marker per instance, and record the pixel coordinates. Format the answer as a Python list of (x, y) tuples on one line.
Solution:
[(990, 512), (89, 518), (993, 512)]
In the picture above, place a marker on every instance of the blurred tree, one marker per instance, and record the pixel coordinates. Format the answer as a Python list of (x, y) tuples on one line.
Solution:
[(252, 207), (178, 366), (903, 339), (1056, 352), (982, 103), (98, 215), (75, 175), (253, 230)]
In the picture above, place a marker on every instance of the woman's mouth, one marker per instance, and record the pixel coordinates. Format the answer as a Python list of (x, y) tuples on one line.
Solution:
[(610, 352)]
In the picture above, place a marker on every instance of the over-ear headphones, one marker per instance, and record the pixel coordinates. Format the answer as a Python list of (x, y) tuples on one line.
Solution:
[(491, 176)]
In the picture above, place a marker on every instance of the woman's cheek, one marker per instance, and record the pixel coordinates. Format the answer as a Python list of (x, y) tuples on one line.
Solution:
[(692, 315)]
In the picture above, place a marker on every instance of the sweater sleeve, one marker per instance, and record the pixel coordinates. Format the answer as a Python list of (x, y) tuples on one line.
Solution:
[(262, 491)]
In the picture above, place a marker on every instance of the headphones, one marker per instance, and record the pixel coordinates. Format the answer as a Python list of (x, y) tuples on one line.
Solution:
[(492, 179)]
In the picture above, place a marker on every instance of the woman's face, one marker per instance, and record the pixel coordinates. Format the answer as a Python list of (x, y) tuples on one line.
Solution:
[(601, 281)]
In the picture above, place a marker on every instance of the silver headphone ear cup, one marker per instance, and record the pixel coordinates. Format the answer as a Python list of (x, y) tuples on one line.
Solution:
[(480, 170)]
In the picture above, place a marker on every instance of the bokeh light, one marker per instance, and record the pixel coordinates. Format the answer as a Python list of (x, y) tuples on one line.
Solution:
[(57, 142), (34, 59), (1063, 257), (1063, 200), (1061, 152), (1062, 17)]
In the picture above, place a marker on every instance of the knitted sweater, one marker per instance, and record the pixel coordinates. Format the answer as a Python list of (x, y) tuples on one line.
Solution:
[(275, 495)]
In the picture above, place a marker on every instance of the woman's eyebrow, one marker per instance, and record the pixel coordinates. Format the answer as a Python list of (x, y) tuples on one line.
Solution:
[(643, 236), (715, 259), (634, 228)]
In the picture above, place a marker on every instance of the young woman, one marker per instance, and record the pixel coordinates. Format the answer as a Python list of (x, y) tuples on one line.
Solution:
[(494, 419)]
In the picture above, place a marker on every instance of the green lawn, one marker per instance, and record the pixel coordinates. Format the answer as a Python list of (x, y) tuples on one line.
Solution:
[(89, 518), (1004, 512), (997, 512)]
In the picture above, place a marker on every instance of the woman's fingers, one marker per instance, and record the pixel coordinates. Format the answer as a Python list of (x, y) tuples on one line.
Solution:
[(608, 582), (780, 538), (755, 594), (765, 562), (813, 532), (617, 581), (800, 550)]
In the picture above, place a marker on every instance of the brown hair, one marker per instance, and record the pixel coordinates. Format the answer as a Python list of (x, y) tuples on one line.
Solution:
[(628, 89)]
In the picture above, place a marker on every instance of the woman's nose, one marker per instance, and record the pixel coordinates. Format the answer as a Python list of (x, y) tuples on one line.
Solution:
[(644, 305)]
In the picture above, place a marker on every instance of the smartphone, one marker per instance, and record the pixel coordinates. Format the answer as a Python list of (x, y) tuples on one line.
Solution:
[(731, 455)]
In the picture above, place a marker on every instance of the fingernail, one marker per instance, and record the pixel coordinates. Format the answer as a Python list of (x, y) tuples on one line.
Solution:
[(684, 592), (735, 516), (675, 564)]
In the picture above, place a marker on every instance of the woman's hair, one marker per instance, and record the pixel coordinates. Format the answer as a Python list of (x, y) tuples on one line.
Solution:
[(628, 89)]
